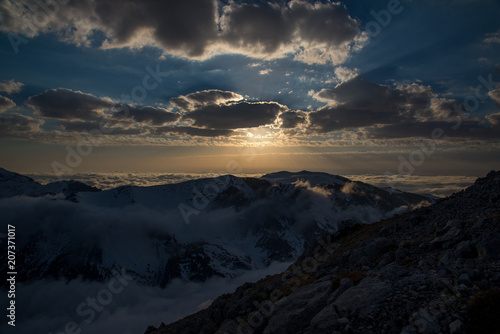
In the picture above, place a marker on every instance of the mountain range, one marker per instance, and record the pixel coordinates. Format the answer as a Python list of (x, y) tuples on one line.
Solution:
[(194, 230), (432, 270)]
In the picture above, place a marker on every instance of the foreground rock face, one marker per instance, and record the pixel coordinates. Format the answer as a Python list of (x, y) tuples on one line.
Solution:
[(433, 270)]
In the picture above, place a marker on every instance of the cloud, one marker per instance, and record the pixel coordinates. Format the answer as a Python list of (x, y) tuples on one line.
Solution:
[(378, 111), (132, 236), (236, 115), (179, 27), (439, 109), (106, 181), (292, 119), (441, 185), (495, 95), (492, 38), (130, 311), (494, 119), (6, 104), (127, 237), (466, 129), (315, 33), (348, 188), (435, 185), (311, 32), (345, 74), (265, 72), (151, 115), (62, 103), (191, 131), (371, 110), (104, 128), (336, 119), (81, 112), (359, 103), (18, 125), (360, 93), (317, 190), (77, 112), (11, 86), (258, 27), (185, 28), (203, 98)]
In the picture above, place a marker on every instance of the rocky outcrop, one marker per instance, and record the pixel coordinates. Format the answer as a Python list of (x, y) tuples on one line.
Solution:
[(433, 270)]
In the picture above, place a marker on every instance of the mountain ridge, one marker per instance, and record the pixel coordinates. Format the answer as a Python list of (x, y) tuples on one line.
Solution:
[(235, 224), (14, 184), (431, 270)]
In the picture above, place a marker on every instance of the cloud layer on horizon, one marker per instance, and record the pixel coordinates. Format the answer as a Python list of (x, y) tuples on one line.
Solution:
[(17, 126), (434, 185)]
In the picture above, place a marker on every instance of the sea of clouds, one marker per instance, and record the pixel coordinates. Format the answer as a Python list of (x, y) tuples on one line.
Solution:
[(47, 306), (440, 186)]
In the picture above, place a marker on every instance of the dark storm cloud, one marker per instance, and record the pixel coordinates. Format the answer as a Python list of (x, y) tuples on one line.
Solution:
[(62, 103), (291, 119), (357, 103), (268, 27), (203, 98), (322, 23), (210, 111), (335, 119), (186, 26), (152, 115), (6, 104), (191, 131), (180, 103), (360, 103), (467, 129), (197, 28), (276, 28), (17, 124), (359, 93), (236, 115), (260, 26), (115, 130), (66, 104)]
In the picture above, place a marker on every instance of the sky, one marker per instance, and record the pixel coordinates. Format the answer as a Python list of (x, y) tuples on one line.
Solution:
[(349, 87)]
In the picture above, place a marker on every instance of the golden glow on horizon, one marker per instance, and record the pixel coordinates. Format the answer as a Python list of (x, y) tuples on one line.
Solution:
[(258, 156)]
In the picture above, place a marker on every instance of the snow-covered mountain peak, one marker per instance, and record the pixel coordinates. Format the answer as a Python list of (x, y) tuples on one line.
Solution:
[(14, 184), (196, 229)]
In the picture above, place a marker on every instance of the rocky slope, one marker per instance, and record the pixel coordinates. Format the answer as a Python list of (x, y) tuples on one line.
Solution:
[(433, 270), (193, 230)]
